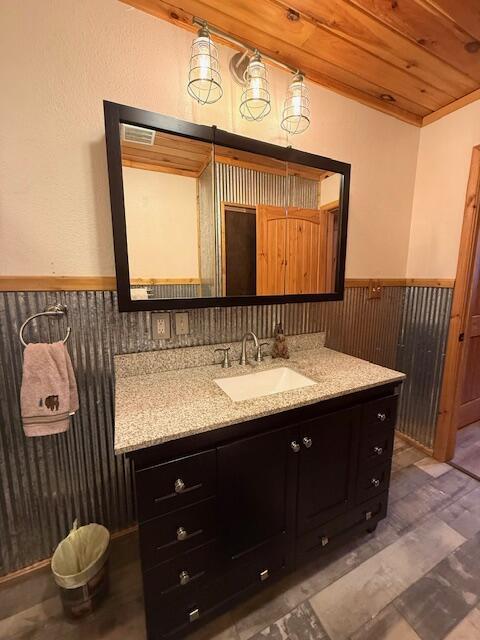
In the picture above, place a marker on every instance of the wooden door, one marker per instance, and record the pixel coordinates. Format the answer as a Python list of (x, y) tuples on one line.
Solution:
[(257, 492), (310, 241), (271, 245), (327, 472), (469, 406)]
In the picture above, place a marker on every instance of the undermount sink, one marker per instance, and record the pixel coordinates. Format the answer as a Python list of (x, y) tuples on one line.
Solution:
[(263, 383)]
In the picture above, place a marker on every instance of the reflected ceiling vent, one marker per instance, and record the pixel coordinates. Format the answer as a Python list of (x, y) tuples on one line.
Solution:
[(139, 135)]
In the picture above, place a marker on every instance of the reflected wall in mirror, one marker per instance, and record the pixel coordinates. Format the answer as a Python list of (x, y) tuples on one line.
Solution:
[(203, 217), (167, 183)]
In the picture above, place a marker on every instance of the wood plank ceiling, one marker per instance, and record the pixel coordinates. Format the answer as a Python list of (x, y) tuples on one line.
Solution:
[(413, 59)]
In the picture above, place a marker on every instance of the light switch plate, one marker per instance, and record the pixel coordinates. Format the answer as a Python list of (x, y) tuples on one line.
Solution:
[(161, 329), (182, 323)]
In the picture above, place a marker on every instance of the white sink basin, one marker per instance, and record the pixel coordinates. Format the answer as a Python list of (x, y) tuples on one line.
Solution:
[(263, 383)]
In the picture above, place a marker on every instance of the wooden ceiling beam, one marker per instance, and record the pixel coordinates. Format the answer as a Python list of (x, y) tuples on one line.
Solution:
[(465, 13), (360, 28), (430, 28)]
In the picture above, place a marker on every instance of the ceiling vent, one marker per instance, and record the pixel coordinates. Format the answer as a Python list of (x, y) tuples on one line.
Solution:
[(139, 135)]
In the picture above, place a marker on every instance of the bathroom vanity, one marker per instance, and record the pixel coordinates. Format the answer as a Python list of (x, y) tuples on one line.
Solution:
[(233, 495)]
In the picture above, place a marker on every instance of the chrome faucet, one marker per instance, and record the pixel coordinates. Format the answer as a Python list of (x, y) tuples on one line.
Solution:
[(249, 334)]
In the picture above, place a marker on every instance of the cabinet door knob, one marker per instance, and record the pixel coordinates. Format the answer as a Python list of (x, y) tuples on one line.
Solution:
[(295, 446), (307, 442), (382, 416), (375, 482), (378, 450), (184, 577), (324, 540), (179, 485), (181, 533)]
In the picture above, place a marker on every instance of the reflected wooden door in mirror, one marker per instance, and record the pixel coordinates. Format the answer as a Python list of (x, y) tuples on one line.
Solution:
[(203, 217)]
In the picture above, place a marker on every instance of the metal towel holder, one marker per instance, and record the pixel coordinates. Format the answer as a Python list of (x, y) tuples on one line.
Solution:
[(55, 310)]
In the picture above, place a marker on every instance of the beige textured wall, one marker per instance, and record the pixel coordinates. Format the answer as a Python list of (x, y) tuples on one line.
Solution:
[(442, 174), (162, 224), (64, 57)]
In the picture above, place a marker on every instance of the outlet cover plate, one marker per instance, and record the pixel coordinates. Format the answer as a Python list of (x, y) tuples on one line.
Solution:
[(182, 323), (161, 329)]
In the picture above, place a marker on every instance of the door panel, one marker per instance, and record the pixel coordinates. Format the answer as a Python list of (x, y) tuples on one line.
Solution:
[(469, 410), (310, 238), (271, 246), (257, 487), (328, 467)]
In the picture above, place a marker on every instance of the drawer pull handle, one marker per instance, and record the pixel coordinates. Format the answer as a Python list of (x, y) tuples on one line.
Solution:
[(307, 442), (378, 450), (179, 485), (375, 482), (382, 416), (194, 615), (264, 575), (324, 540), (295, 446), (368, 515), (184, 577)]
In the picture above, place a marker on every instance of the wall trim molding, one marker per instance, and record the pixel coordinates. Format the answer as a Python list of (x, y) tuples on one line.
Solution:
[(450, 108), (109, 283)]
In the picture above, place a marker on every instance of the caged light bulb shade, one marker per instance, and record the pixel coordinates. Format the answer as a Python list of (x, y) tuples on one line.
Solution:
[(296, 111), (204, 80), (255, 102)]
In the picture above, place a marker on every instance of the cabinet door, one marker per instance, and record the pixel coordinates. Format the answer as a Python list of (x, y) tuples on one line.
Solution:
[(257, 490), (327, 471)]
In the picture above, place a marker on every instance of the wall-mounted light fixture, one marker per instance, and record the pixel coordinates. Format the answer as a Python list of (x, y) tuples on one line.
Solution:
[(204, 80), (296, 112), (255, 103)]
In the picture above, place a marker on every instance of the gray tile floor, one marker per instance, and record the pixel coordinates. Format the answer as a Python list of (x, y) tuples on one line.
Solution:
[(417, 577), (467, 449)]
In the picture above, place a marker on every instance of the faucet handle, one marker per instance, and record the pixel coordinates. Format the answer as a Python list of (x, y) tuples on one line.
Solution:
[(259, 357), (226, 357)]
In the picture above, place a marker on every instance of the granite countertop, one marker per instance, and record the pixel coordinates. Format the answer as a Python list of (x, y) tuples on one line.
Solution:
[(166, 405)]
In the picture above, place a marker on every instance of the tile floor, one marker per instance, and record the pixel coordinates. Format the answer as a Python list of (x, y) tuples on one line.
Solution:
[(417, 577), (467, 450)]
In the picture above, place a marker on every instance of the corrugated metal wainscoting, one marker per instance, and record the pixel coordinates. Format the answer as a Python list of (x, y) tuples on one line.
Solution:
[(48, 482), (421, 354)]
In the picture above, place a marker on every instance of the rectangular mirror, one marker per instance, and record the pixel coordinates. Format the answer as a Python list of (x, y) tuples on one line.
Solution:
[(202, 217)]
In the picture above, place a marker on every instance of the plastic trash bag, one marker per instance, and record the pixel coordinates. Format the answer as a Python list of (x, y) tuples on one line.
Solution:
[(81, 555)]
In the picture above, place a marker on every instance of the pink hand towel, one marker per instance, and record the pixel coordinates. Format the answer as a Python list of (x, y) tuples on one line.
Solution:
[(49, 390)]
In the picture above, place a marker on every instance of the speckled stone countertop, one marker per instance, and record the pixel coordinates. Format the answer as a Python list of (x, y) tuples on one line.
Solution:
[(166, 405)]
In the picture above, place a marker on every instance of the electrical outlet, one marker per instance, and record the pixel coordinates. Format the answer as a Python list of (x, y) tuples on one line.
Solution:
[(374, 289), (161, 326), (182, 324)]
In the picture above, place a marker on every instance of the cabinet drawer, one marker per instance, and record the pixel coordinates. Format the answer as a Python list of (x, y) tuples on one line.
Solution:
[(175, 484), (184, 573), (179, 614), (177, 532), (379, 414), (377, 448), (266, 562), (373, 481), (334, 533)]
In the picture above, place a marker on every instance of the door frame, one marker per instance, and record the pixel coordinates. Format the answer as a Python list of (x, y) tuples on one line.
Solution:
[(468, 270)]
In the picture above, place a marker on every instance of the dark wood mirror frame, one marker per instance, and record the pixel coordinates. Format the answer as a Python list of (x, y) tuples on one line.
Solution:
[(116, 114)]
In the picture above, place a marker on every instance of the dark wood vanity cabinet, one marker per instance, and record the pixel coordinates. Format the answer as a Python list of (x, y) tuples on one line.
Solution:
[(224, 512)]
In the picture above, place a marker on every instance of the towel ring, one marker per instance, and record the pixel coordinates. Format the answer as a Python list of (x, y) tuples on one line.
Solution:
[(55, 310)]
